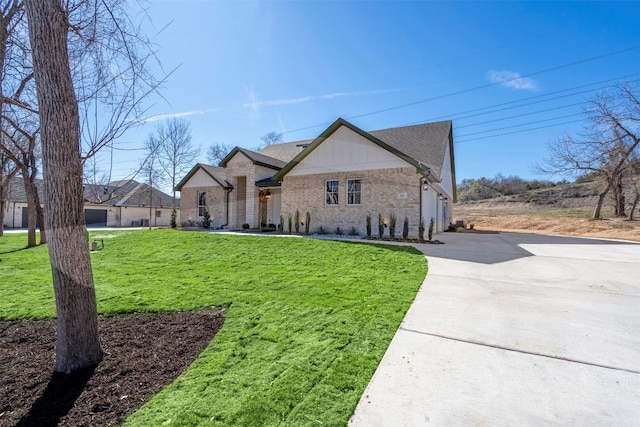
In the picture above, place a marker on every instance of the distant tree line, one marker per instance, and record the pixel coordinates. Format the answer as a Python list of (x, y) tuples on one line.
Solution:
[(500, 185)]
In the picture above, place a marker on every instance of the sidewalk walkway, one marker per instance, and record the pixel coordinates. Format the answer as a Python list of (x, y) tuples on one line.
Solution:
[(515, 329)]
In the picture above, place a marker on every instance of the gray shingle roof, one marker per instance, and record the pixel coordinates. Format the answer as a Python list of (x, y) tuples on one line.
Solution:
[(426, 143), (285, 151), (256, 158), (423, 146), (117, 193)]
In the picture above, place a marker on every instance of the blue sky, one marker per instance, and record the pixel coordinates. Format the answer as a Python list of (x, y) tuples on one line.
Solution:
[(512, 76)]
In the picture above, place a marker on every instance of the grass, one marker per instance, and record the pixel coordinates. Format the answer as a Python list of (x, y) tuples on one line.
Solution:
[(307, 324)]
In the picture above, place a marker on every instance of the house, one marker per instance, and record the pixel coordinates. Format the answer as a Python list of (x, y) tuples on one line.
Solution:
[(123, 203), (340, 178)]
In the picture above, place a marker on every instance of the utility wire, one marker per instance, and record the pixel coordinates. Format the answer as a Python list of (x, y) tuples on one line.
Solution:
[(535, 73)]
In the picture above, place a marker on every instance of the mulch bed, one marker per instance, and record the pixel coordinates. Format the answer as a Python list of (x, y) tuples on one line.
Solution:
[(143, 353)]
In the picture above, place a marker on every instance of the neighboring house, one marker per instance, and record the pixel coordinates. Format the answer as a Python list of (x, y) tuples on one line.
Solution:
[(124, 203), (340, 178)]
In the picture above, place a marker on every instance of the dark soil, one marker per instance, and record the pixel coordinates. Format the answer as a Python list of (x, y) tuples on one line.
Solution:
[(143, 353)]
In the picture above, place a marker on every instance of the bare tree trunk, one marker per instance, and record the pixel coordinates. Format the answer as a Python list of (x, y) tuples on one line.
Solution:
[(636, 199), (618, 195), (78, 343), (601, 196), (32, 217)]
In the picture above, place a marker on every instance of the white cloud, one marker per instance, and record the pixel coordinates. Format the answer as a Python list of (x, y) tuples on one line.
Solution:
[(254, 104), (512, 80), (176, 115)]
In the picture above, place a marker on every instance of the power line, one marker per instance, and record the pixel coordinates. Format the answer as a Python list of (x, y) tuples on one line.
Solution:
[(519, 131), (535, 73)]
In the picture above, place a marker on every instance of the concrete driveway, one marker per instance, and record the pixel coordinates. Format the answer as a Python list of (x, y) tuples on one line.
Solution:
[(515, 329)]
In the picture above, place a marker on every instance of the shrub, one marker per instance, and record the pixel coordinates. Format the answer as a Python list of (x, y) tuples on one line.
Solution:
[(245, 226), (289, 224), (460, 230), (281, 225), (471, 226), (322, 230), (405, 228), (431, 229), (174, 214), (380, 226), (206, 219), (339, 231), (307, 222), (368, 225), (392, 226), (297, 222), (421, 230), (353, 231)]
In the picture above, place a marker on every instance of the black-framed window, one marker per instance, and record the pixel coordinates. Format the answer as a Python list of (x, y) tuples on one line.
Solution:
[(354, 191), (331, 192), (202, 203)]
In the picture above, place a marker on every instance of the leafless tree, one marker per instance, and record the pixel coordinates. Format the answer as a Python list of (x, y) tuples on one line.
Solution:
[(22, 147), (8, 170), (89, 54), (605, 147), (18, 116), (175, 151), (150, 168), (269, 138), (217, 152)]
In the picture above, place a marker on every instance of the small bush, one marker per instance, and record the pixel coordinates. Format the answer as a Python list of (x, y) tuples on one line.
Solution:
[(353, 231), (380, 226), (322, 230), (460, 230), (281, 225), (245, 226), (307, 222), (206, 219), (297, 222), (339, 231), (392, 226), (368, 225), (421, 229), (174, 214), (471, 226), (289, 224), (405, 228), (431, 229)]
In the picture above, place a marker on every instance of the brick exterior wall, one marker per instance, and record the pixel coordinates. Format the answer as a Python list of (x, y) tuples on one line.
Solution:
[(385, 191), (216, 204)]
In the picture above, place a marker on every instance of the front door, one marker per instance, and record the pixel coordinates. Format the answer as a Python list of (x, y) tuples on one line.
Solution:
[(263, 208)]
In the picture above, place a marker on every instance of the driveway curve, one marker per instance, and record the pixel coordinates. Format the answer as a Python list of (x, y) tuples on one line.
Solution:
[(515, 329)]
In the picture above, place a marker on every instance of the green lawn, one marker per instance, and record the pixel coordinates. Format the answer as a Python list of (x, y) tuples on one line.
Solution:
[(308, 320)]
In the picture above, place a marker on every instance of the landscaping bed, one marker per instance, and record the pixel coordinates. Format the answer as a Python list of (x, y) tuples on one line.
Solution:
[(143, 353)]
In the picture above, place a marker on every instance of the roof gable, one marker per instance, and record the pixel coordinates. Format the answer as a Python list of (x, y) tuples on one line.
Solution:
[(216, 173), (396, 147), (256, 158)]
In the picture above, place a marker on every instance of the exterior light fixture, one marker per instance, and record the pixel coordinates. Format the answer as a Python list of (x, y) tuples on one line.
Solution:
[(440, 196)]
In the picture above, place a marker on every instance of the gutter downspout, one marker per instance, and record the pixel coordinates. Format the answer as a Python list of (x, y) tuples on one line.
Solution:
[(229, 190)]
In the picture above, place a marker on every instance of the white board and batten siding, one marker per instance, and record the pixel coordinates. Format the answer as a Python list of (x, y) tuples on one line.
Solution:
[(346, 150), (200, 179)]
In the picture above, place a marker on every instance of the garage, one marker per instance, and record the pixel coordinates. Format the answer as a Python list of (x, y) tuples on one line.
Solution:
[(95, 217)]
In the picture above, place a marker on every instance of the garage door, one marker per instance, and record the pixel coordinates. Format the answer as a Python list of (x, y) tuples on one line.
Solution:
[(95, 217)]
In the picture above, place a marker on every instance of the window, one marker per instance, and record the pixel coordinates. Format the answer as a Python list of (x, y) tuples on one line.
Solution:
[(158, 214), (354, 191), (331, 192), (202, 203)]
